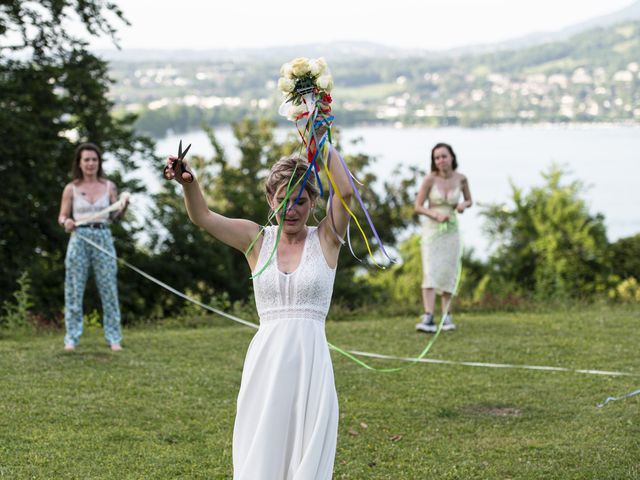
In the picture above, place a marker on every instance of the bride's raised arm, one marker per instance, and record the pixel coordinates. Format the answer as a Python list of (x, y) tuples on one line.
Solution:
[(235, 232)]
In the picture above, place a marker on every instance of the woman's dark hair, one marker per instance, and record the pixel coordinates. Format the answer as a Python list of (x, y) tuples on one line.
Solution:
[(454, 163), (76, 173)]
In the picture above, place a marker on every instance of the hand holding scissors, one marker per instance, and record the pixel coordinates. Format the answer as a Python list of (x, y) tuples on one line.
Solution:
[(177, 167)]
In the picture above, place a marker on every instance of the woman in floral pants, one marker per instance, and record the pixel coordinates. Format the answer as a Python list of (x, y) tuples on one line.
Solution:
[(89, 193)]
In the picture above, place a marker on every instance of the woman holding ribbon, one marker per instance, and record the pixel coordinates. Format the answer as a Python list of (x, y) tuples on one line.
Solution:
[(88, 202), (441, 250)]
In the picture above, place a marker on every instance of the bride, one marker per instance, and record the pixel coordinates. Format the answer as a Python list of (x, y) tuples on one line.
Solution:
[(287, 411)]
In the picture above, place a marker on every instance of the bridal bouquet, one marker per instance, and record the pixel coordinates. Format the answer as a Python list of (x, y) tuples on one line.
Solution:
[(306, 86), (305, 82)]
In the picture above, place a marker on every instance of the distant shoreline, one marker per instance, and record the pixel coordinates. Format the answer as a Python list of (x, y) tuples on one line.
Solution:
[(489, 126)]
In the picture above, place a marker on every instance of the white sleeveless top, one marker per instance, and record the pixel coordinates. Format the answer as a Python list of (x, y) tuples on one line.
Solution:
[(83, 208)]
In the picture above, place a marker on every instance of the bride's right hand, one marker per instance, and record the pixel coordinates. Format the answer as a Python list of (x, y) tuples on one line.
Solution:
[(182, 173)]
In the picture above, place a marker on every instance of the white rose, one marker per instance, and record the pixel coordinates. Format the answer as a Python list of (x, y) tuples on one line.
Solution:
[(285, 70), (300, 67), (286, 85), (325, 82), (315, 68), (323, 65)]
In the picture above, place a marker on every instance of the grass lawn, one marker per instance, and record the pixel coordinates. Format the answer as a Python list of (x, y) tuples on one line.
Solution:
[(164, 407)]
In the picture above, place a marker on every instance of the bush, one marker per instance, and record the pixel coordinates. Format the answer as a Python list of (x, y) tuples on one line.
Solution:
[(627, 290), (17, 314), (549, 244), (625, 257)]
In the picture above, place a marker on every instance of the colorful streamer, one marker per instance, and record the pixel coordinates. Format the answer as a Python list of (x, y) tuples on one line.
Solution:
[(307, 85)]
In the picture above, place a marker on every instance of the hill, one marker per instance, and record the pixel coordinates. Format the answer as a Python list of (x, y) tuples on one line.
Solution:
[(591, 77)]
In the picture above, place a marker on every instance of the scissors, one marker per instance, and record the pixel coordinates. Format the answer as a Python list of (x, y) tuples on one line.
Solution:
[(178, 161)]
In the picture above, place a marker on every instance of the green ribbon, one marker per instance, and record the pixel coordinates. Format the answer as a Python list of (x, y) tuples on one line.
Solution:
[(443, 227), (282, 206)]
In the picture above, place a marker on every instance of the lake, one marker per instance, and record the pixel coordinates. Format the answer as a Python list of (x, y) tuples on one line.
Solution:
[(605, 158)]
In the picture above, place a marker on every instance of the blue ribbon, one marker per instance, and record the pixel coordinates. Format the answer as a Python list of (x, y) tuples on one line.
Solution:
[(613, 399)]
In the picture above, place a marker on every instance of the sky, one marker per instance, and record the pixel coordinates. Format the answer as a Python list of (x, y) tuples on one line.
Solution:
[(426, 24)]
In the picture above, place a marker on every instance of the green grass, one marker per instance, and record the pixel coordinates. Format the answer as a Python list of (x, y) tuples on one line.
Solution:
[(164, 407)]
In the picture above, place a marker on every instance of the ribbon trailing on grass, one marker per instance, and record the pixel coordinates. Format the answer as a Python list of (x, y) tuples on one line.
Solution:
[(443, 228), (350, 356), (615, 399), (164, 285)]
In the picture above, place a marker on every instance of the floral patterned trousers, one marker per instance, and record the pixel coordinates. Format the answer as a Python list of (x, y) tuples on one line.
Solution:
[(81, 258)]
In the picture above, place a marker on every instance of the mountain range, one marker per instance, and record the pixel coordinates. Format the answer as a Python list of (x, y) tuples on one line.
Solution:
[(341, 50)]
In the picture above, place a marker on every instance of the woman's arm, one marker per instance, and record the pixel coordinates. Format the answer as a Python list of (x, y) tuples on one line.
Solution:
[(113, 198), (64, 217), (337, 215), (423, 193), (466, 193), (237, 233)]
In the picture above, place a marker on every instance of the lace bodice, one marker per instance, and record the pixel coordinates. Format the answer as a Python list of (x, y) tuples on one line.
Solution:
[(438, 200), (303, 293), (441, 204)]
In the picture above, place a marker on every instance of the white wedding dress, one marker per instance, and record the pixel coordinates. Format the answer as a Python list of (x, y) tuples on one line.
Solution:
[(287, 415)]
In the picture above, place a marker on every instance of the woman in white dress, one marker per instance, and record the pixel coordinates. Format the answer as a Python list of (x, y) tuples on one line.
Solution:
[(440, 244), (287, 412)]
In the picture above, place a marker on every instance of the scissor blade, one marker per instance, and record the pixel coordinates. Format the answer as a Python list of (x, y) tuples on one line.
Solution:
[(180, 149), (184, 154)]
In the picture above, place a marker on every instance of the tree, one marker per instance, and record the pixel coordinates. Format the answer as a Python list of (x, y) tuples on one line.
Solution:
[(625, 257), (548, 243), (53, 94), (195, 261), (41, 29)]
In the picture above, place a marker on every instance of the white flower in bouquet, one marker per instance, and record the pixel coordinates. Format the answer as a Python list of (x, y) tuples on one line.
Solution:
[(323, 65), (315, 67), (325, 82), (286, 70), (304, 82), (300, 67), (286, 85)]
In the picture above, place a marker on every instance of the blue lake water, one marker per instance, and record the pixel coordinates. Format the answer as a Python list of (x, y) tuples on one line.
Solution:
[(605, 158)]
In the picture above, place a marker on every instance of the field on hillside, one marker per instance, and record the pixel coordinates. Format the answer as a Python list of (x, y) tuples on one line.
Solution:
[(164, 407)]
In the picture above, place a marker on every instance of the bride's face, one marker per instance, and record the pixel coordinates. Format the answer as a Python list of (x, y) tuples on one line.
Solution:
[(296, 215)]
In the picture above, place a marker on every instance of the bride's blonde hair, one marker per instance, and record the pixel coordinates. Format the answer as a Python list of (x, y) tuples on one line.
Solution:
[(282, 171)]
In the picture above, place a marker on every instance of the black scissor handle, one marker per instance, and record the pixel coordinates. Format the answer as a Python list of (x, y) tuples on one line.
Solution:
[(178, 161)]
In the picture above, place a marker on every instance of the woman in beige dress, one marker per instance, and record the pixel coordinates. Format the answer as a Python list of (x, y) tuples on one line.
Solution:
[(439, 202)]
